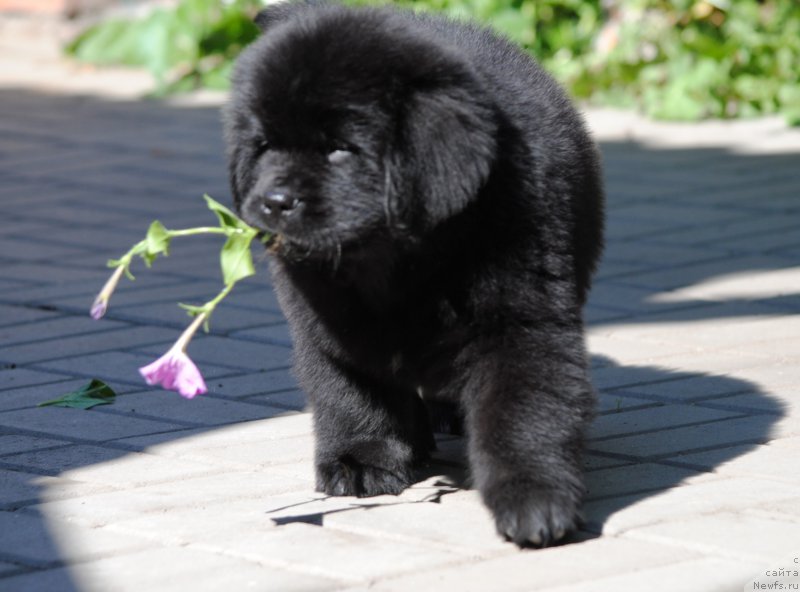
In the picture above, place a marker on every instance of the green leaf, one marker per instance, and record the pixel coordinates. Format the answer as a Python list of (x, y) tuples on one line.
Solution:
[(192, 309), (114, 263), (156, 242), (95, 393), (236, 259), (227, 219)]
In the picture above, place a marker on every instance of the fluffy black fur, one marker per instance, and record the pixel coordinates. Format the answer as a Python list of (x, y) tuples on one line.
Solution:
[(436, 206)]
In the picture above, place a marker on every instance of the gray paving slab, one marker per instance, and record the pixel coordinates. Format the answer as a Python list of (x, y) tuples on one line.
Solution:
[(27, 540), (693, 327)]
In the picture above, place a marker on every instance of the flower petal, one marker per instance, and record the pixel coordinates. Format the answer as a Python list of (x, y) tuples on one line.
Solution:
[(175, 371), (99, 308)]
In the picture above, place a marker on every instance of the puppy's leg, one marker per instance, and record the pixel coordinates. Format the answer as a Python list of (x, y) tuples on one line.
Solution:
[(368, 435), (528, 401)]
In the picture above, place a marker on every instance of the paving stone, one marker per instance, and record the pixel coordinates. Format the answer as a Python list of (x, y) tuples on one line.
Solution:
[(747, 332), (29, 250), (168, 512), (14, 315), (706, 574), (277, 334), (233, 353), (254, 383), (771, 376), (226, 318), (786, 509), (13, 378), (79, 294), (728, 533), (615, 402), (30, 396), (134, 294), (776, 461), (83, 425), (692, 388), (329, 552), (699, 495), (12, 444), (93, 464), (294, 400), (652, 419), (203, 410), (249, 454), (20, 488), (678, 277), (52, 328), (650, 255), (67, 347), (536, 570), (167, 569), (117, 368), (290, 425), (630, 350), (8, 569), (28, 540), (152, 511), (629, 479), (457, 521), (594, 462), (595, 315), (55, 274), (744, 430), (612, 375)]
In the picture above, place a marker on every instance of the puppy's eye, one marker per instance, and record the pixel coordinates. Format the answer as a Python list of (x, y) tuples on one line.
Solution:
[(262, 146), (339, 156)]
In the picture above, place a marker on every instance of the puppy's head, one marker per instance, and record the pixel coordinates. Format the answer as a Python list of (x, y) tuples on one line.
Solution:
[(345, 128)]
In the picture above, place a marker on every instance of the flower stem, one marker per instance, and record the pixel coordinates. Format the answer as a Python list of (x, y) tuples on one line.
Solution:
[(187, 335), (200, 230), (100, 304)]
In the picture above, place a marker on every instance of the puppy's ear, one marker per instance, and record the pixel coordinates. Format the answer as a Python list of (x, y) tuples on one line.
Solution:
[(281, 11), (447, 148)]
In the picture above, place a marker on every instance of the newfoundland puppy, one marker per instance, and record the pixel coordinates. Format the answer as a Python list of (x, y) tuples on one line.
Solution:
[(435, 210)]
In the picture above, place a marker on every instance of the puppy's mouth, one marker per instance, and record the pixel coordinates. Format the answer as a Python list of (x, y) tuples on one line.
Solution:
[(288, 247), (271, 240)]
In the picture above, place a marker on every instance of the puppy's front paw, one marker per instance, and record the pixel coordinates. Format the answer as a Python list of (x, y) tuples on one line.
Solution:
[(532, 514), (347, 476)]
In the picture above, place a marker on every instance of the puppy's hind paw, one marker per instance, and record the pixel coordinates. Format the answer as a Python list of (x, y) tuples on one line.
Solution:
[(532, 515), (347, 476)]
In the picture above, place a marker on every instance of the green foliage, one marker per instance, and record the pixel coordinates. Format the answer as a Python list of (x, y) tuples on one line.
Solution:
[(156, 242), (236, 260), (189, 46), (673, 59), (95, 393), (693, 59)]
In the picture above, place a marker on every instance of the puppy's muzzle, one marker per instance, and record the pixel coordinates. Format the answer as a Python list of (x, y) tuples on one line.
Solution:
[(273, 208)]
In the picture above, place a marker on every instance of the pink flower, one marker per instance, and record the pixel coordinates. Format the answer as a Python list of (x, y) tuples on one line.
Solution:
[(100, 304), (174, 370), (99, 309)]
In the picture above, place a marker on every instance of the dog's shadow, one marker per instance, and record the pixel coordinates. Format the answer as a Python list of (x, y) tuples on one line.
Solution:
[(652, 432)]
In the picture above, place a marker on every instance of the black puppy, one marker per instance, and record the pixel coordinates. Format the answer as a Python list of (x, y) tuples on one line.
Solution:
[(436, 210)]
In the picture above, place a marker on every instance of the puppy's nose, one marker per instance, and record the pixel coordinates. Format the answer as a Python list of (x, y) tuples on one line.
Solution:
[(278, 203)]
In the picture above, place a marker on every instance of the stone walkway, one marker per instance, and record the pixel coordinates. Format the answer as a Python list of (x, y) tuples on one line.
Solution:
[(693, 469)]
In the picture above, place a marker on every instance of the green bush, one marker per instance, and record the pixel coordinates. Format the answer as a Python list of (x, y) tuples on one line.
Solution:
[(189, 46), (679, 59)]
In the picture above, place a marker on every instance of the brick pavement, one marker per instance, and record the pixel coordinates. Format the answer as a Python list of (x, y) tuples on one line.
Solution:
[(693, 327)]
